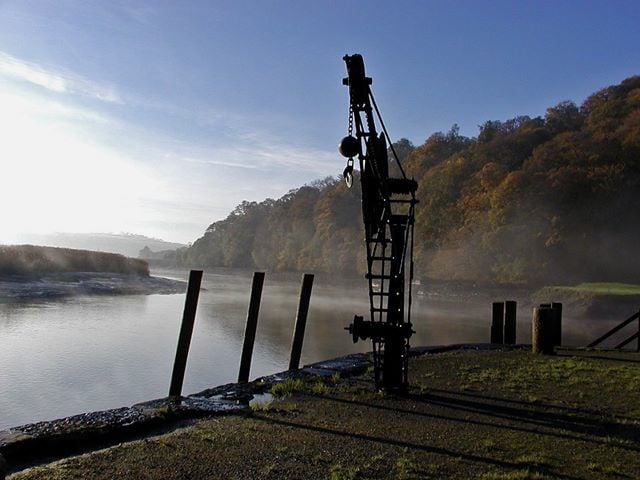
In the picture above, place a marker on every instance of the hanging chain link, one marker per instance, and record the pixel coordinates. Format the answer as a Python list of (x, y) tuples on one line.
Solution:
[(350, 161), (348, 171)]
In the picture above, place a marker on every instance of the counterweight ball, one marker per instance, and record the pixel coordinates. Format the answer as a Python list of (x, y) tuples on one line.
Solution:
[(349, 147)]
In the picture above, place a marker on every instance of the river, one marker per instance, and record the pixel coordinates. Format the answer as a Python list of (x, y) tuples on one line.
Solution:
[(68, 356)]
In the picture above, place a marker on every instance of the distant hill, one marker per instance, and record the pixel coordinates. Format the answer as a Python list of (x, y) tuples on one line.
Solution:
[(125, 243), (548, 200)]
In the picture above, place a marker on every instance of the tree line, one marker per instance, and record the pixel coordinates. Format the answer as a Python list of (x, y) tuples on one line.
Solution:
[(546, 199)]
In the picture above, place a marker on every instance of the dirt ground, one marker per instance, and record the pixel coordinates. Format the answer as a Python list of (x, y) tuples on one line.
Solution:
[(469, 414)]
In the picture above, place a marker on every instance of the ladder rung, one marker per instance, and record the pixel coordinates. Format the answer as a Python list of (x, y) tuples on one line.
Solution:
[(400, 219), (380, 310), (376, 276), (401, 185)]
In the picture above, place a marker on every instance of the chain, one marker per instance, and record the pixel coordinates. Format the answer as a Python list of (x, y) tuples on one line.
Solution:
[(348, 171), (350, 120)]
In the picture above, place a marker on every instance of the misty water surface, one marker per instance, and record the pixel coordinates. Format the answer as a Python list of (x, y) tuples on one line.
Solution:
[(65, 357)]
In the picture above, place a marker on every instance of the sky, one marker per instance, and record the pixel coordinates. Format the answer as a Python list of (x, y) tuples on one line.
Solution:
[(159, 117)]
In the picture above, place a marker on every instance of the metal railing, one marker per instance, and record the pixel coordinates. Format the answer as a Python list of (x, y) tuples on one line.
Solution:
[(635, 336)]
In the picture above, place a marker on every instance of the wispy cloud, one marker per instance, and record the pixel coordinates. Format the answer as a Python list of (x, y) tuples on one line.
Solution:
[(222, 163), (57, 81), (143, 14), (261, 155), (300, 158)]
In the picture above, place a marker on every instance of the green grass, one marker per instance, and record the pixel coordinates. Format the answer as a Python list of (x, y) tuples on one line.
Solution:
[(405, 467), (603, 288), (319, 388), (585, 425), (261, 406), (342, 472), (287, 387), (525, 474), (571, 372)]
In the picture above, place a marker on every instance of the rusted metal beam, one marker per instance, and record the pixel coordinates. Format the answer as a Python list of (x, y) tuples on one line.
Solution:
[(614, 330), (629, 340)]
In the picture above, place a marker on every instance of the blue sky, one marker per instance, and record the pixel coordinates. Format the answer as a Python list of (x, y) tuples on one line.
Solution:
[(158, 117)]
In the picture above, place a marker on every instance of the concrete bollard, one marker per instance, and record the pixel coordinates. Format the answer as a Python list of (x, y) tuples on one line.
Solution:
[(542, 331), (497, 323)]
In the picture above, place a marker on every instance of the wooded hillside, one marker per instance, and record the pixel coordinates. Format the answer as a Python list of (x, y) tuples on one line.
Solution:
[(548, 199)]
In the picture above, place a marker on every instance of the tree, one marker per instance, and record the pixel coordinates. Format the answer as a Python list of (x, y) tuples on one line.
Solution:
[(565, 116)]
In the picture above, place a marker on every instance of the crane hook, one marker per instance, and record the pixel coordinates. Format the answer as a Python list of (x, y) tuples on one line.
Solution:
[(348, 173), (349, 147)]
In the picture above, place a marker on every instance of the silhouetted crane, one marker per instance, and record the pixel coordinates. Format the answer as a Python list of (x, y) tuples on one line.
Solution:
[(388, 206)]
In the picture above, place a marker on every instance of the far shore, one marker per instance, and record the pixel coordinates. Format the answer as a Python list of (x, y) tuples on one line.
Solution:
[(68, 284)]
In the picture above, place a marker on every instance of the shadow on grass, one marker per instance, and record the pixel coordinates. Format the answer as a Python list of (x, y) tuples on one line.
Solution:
[(386, 441), (532, 420), (551, 417), (602, 357), (452, 454), (570, 412)]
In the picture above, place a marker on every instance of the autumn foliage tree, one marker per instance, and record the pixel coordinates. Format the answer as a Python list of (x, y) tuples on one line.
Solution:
[(546, 199)]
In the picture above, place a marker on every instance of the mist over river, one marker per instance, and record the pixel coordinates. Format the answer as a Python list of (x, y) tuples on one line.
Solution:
[(84, 353)]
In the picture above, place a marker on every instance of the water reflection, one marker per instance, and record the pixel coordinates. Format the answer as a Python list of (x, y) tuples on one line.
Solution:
[(89, 353)]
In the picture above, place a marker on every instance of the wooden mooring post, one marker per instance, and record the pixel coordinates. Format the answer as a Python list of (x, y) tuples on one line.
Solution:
[(510, 313), (301, 321), (250, 329), (542, 330), (186, 331), (497, 323), (503, 322), (557, 323)]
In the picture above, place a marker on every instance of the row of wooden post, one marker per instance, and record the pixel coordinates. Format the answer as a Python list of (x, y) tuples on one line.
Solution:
[(546, 326), (188, 320), (503, 323)]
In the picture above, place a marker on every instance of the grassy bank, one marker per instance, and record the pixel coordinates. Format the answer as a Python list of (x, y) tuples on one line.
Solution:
[(603, 288), (36, 261), (488, 415)]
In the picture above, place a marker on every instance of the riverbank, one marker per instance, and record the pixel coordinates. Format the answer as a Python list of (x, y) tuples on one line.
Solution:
[(593, 300), (35, 261), (60, 285), (469, 413), (29, 272)]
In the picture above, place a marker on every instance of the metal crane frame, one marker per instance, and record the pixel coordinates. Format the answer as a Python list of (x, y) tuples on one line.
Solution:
[(388, 212)]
